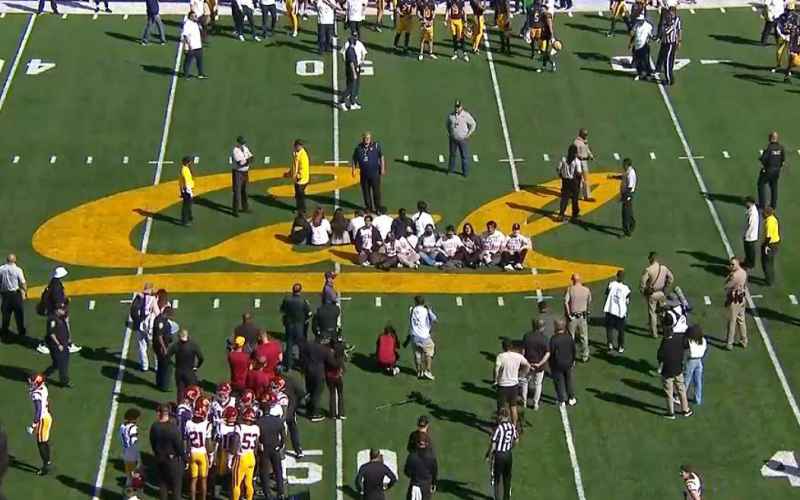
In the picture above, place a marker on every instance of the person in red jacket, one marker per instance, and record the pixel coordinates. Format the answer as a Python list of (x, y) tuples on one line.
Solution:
[(269, 349), (239, 363), (387, 349), (258, 379)]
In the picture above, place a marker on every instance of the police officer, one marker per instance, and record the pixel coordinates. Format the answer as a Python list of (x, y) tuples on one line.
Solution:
[(627, 187), (326, 321), (577, 301), (167, 445), (58, 342), (164, 329), (571, 172), (656, 278), (735, 292), (671, 35), (296, 312), (771, 160), (273, 442), (12, 289), (368, 159)]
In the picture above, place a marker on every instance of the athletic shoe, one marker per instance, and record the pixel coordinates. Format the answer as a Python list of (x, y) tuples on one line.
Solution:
[(610, 347), (621, 350), (317, 418), (299, 453), (508, 267), (378, 29), (420, 57), (108, 10), (775, 69), (395, 370), (454, 57), (428, 375), (466, 58), (636, 78), (538, 70), (518, 266), (42, 349), (355, 106), (143, 42), (241, 38), (341, 417), (670, 416), (96, 10), (343, 107), (535, 406), (202, 77), (366, 264), (433, 56), (73, 348), (294, 34), (688, 413), (572, 401), (562, 405), (257, 39)]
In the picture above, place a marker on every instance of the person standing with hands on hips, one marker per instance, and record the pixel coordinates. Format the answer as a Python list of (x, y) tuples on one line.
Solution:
[(300, 173), (186, 183), (771, 159), (241, 167), (369, 160), (460, 126)]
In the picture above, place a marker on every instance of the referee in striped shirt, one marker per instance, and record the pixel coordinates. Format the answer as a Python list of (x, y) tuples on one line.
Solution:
[(671, 34), (503, 440)]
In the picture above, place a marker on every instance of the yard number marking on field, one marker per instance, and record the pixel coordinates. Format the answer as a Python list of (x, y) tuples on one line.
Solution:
[(782, 464), (707, 300), (652, 155), (215, 304), (89, 160), (378, 302), (726, 155), (37, 67), (92, 303), (53, 159), (441, 158), (500, 301), (257, 303), (793, 299)]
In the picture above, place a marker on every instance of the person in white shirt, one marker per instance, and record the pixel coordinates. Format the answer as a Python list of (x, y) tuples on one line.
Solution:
[(450, 248), (268, 8), (492, 242), (420, 324), (192, 46), (422, 218), (368, 243), (751, 227), (320, 228), (355, 224), (618, 295), (355, 15), (627, 187), (406, 248), (693, 371), (515, 249), (13, 289), (772, 10), (326, 13), (248, 12), (129, 439), (241, 156), (510, 366), (383, 222), (641, 35), (692, 484), (428, 247)]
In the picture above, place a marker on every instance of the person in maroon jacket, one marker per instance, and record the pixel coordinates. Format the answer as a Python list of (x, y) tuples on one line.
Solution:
[(368, 242), (239, 363), (258, 379)]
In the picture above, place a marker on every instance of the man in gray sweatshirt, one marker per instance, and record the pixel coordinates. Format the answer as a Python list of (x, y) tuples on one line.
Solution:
[(460, 126)]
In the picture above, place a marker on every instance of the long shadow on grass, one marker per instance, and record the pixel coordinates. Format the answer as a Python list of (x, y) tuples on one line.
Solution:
[(128, 377), (757, 79), (314, 100), (642, 365), (586, 27), (459, 489), (158, 70), (15, 373), (422, 165), (455, 415), (735, 39), (86, 489), (773, 315), (213, 205), (710, 263), (726, 198), (370, 364), (271, 201), (625, 401), (101, 354), (158, 216)]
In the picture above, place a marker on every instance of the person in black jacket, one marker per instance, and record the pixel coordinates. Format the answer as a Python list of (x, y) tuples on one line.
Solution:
[(167, 445), (403, 225), (371, 478), (562, 361), (162, 338), (295, 392), (273, 440), (670, 357), (295, 312), (58, 342), (315, 357), (771, 160), (334, 377), (188, 358), (326, 321), (422, 471)]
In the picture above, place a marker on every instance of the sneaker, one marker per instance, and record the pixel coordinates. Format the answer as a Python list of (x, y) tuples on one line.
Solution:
[(454, 57), (621, 350), (108, 10), (636, 78), (97, 9), (341, 417), (143, 42), (428, 375), (610, 347), (538, 70), (466, 58), (73, 348), (299, 453), (42, 349), (257, 38), (562, 405), (572, 401), (419, 57), (378, 29), (433, 56), (508, 267), (294, 34), (343, 107), (688, 413), (395, 370), (475, 51), (202, 77), (317, 418), (355, 106), (775, 69), (518, 266), (241, 38), (670, 416), (535, 406)]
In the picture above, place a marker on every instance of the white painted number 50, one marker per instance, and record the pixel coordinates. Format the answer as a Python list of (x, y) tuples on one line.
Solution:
[(309, 68)]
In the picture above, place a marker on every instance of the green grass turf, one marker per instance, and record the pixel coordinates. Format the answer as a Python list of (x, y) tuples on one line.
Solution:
[(109, 101)]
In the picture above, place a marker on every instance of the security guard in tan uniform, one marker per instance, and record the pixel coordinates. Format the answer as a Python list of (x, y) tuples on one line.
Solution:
[(577, 300), (656, 278), (735, 294)]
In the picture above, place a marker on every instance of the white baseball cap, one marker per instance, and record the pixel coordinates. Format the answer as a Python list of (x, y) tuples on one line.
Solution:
[(59, 272)]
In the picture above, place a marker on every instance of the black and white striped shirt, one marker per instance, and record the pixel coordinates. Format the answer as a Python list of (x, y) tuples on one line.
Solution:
[(504, 437), (671, 33)]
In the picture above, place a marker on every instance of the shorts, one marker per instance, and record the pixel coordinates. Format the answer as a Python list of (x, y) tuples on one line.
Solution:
[(198, 465), (404, 24), (427, 34), (508, 395), (428, 348), (42, 431), (457, 28), (131, 459)]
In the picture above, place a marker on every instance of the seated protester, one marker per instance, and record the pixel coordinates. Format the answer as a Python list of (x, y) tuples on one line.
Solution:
[(515, 250), (320, 228), (355, 224), (406, 247), (383, 222), (422, 218), (387, 351), (492, 242), (428, 247), (471, 246), (339, 225), (301, 229), (403, 224), (449, 248), (368, 243), (389, 257)]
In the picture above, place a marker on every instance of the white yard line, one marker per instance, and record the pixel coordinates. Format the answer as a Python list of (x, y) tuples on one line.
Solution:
[(729, 251), (501, 110), (573, 456), (17, 57), (112, 414)]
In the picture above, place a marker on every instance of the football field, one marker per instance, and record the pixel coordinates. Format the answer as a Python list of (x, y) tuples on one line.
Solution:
[(92, 129)]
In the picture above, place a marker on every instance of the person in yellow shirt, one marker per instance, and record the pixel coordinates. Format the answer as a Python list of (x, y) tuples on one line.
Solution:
[(769, 248), (186, 183), (300, 172)]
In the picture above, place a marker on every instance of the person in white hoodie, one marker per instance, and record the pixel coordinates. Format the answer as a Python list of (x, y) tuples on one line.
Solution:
[(618, 296), (750, 236), (420, 324)]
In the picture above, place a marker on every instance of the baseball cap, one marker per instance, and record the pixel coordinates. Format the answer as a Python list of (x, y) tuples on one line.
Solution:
[(241, 140), (238, 341), (60, 272)]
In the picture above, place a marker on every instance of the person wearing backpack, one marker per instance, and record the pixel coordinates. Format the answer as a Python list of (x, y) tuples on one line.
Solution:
[(143, 312), (54, 297)]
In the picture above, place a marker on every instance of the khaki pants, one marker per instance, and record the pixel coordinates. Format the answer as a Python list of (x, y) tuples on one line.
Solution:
[(736, 320), (586, 189), (581, 325), (654, 300), (672, 384)]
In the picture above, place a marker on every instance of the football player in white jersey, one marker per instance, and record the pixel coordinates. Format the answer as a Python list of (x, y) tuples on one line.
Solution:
[(197, 434), (129, 438), (243, 449), (42, 420)]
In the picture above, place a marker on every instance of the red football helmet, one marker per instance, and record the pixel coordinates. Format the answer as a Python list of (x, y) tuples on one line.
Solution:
[(201, 407), (263, 395), (224, 390), (192, 393), (278, 383), (249, 415), (230, 414), (36, 380), (247, 397)]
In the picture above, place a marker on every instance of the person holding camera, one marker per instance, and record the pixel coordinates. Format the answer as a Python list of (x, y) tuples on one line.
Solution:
[(735, 294)]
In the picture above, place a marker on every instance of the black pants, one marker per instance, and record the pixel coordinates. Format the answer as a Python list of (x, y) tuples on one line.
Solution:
[(270, 461), (350, 96), (13, 303), (749, 254), (768, 178), (355, 28), (272, 12), (641, 61), (163, 372), (426, 488), (768, 262), (59, 360), (315, 382), (371, 191), (247, 13), (184, 378), (53, 6), (186, 209), (501, 473), (170, 478), (336, 396), (291, 425), (239, 183), (570, 189), (97, 3), (615, 331), (666, 62), (295, 337), (628, 222), (325, 37), (562, 378), (238, 18), (300, 196), (769, 29), (193, 55)]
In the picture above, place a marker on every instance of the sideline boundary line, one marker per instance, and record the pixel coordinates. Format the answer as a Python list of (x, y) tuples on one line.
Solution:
[(112, 414), (729, 250), (23, 42)]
